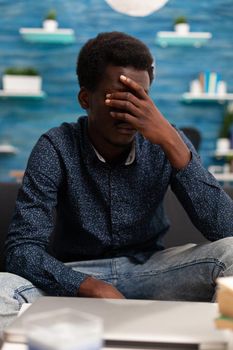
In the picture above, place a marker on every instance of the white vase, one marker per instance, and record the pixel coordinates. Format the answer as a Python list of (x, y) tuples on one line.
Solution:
[(221, 87), (182, 28), (223, 145), (195, 87), (50, 25)]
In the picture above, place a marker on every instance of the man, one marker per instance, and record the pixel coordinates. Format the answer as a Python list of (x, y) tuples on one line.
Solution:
[(106, 176)]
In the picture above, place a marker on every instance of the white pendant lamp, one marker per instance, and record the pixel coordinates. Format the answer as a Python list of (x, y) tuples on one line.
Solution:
[(138, 8)]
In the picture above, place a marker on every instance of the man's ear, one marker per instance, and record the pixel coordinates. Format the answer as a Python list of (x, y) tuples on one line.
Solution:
[(83, 97)]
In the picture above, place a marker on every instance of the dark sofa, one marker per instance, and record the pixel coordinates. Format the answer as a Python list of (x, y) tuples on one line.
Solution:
[(182, 230)]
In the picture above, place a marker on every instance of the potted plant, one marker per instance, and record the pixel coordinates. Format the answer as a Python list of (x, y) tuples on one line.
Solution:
[(181, 25), (21, 80), (225, 140), (50, 22)]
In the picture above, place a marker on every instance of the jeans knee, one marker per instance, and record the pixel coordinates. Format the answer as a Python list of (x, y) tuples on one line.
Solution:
[(224, 253), (17, 289), (9, 281), (9, 303), (226, 245)]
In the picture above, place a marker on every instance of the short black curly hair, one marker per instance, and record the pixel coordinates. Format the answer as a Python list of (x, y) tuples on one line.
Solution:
[(114, 48)]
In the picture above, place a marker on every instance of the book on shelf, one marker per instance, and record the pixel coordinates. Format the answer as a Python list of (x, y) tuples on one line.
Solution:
[(208, 83), (211, 80), (225, 303), (212, 83), (201, 81)]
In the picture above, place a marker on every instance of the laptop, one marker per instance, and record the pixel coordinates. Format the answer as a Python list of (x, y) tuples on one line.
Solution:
[(144, 324)]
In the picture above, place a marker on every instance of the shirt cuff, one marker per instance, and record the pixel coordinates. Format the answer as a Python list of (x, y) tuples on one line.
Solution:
[(194, 171)]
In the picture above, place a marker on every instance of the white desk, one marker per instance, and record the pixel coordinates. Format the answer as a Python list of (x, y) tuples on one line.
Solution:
[(228, 335), (15, 346)]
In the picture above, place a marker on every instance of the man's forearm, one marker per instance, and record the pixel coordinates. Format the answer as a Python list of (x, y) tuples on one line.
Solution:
[(43, 270), (175, 149)]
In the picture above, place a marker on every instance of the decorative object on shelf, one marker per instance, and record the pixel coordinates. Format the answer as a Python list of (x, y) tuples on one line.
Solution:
[(21, 82), (181, 36), (17, 175), (50, 22), (7, 149), (181, 25), (224, 145), (136, 8), (221, 173), (224, 172), (227, 124), (49, 33), (209, 87)]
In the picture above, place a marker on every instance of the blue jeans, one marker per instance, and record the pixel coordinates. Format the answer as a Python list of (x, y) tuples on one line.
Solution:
[(186, 272)]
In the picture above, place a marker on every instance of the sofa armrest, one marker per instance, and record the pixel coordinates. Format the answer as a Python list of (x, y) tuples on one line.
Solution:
[(8, 194), (182, 230)]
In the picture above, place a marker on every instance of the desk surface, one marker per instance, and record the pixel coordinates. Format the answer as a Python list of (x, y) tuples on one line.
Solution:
[(228, 336)]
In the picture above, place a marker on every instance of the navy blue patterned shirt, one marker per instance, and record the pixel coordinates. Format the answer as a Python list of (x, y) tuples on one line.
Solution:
[(101, 210)]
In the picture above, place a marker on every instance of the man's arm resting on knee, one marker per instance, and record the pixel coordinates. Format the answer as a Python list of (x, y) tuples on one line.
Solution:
[(28, 239)]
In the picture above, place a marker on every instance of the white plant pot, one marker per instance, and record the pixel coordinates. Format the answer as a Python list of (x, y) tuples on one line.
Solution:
[(50, 25), (223, 145), (22, 83), (182, 28)]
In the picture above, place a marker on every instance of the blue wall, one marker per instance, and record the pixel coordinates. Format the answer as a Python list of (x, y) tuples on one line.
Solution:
[(22, 122)]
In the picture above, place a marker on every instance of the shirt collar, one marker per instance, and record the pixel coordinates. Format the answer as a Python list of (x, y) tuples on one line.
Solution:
[(130, 159)]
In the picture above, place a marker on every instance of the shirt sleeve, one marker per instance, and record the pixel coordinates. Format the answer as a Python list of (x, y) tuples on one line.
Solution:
[(208, 206), (27, 244)]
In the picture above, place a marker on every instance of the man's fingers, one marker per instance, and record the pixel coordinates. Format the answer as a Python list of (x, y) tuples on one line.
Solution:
[(124, 96), (123, 105), (134, 86), (126, 117)]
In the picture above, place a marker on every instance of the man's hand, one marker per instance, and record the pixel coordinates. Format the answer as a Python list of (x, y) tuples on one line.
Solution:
[(141, 113), (94, 288)]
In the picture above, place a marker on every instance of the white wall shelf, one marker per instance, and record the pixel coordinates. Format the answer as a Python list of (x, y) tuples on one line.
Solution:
[(41, 35), (174, 38), (189, 97), (13, 94), (7, 149), (222, 154), (225, 177)]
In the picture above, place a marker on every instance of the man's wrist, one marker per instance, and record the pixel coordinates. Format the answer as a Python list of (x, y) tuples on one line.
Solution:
[(86, 286), (176, 150)]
